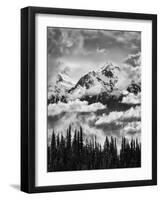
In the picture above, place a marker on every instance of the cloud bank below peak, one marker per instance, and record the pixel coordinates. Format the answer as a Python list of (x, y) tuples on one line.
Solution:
[(76, 106)]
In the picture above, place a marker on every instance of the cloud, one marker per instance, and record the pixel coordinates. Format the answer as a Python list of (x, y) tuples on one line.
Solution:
[(53, 41), (107, 119), (130, 71), (98, 50), (133, 114), (132, 128), (133, 60), (120, 124), (76, 120), (84, 50), (66, 70), (56, 66), (129, 74), (76, 106), (115, 123), (132, 99), (63, 41), (114, 39)]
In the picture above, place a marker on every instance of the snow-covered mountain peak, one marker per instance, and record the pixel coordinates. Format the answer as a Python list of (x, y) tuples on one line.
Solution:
[(94, 86), (58, 91), (95, 83), (64, 77), (109, 66)]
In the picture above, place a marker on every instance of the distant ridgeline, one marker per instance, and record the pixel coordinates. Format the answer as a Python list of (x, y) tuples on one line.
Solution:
[(77, 153)]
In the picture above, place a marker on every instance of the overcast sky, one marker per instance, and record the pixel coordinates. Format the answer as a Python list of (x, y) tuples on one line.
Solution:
[(80, 50)]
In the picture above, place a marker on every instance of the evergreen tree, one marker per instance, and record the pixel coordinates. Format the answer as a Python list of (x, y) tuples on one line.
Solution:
[(52, 151), (69, 138), (74, 153)]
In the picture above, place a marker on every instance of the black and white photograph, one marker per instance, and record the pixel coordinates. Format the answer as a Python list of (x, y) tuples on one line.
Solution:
[(93, 99), (88, 99)]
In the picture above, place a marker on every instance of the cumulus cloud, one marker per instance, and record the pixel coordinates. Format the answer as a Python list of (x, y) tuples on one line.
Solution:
[(133, 114), (107, 119), (127, 75), (76, 120), (117, 124), (132, 128), (134, 59), (132, 99), (130, 71), (73, 106), (121, 124)]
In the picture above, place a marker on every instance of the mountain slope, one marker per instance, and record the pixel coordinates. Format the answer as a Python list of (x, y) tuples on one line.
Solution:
[(59, 91), (96, 83), (95, 86)]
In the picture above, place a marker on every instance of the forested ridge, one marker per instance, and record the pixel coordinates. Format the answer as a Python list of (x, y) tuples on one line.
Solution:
[(67, 153)]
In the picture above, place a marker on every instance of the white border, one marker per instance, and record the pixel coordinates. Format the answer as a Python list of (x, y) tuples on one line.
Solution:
[(92, 176)]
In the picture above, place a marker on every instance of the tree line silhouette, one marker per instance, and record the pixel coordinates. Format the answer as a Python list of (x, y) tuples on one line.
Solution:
[(67, 154)]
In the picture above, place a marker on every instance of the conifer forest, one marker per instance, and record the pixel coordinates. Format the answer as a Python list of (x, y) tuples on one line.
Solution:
[(67, 153)]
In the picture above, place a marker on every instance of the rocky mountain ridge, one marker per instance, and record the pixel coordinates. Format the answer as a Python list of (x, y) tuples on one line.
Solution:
[(95, 86)]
